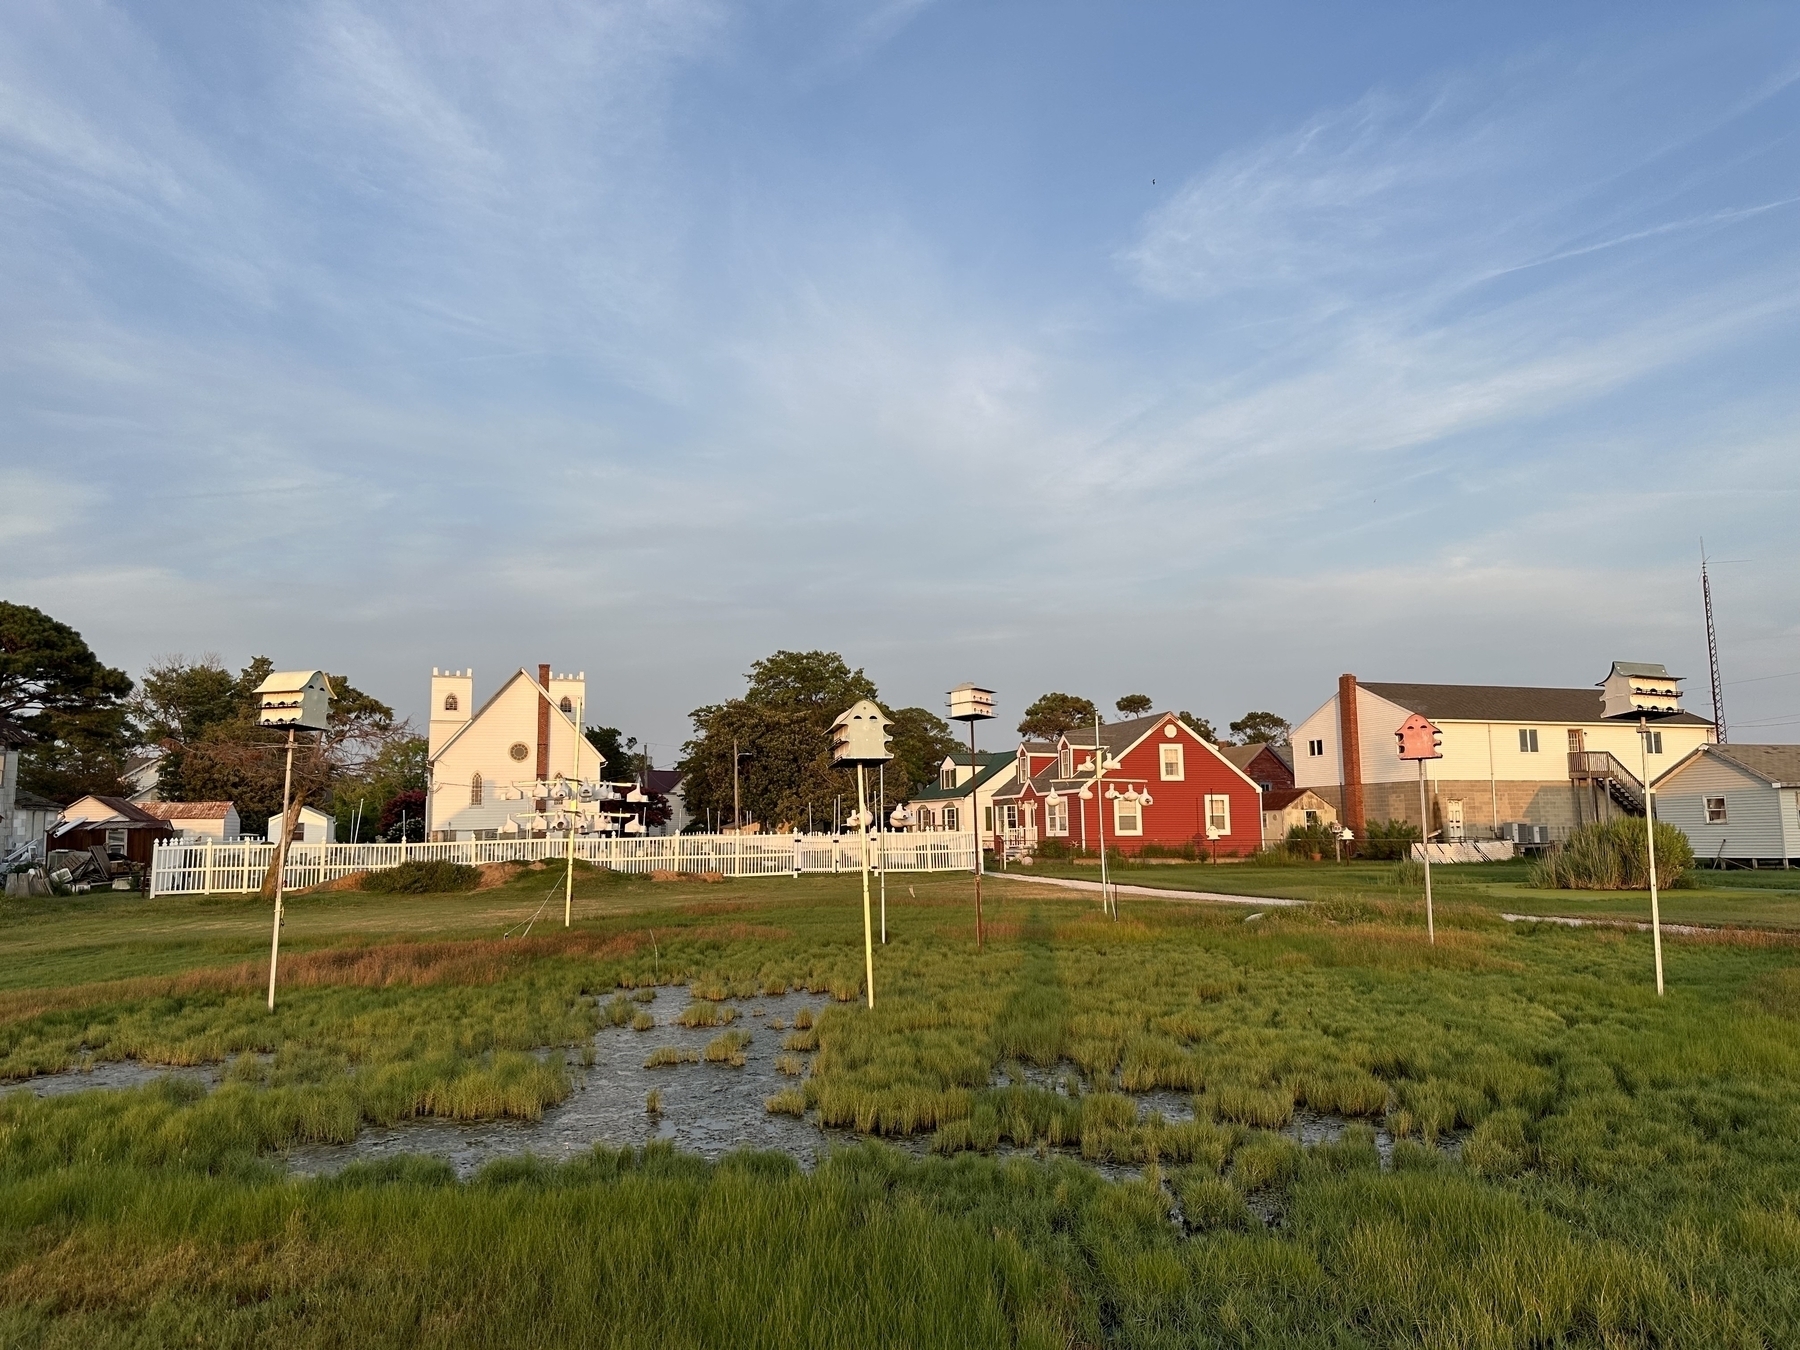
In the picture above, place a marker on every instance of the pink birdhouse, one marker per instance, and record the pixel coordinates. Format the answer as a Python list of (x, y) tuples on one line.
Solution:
[(1419, 739)]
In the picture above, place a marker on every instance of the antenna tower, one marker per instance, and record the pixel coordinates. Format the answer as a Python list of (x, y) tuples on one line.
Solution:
[(1712, 646)]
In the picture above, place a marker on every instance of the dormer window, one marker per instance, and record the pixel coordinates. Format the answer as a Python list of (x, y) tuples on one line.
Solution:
[(947, 779), (1066, 768), (450, 703)]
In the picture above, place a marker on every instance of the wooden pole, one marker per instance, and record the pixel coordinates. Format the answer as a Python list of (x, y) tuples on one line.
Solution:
[(862, 830)]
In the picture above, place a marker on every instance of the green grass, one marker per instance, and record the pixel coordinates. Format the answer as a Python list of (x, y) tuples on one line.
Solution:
[(1625, 1173)]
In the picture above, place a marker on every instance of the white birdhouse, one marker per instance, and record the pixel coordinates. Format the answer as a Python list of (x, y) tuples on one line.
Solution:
[(970, 703), (297, 699), (860, 736)]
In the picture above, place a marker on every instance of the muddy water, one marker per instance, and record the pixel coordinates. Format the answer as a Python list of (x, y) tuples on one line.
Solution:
[(708, 1109)]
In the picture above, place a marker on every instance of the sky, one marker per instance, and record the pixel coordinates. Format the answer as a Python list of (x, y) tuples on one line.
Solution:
[(1199, 351)]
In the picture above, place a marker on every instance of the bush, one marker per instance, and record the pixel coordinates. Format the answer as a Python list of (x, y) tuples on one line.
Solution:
[(1189, 851), (1053, 850), (1610, 856), (1315, 840), (415, 877), (1387, 841)]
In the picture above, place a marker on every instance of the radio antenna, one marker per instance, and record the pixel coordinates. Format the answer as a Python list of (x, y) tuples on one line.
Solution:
[(1712, 646)]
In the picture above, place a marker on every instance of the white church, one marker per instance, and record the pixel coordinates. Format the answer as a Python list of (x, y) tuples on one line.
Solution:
[(518, 766)]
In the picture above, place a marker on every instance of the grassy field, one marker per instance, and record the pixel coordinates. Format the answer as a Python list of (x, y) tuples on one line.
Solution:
[(1624, 1170), (1768, 899)]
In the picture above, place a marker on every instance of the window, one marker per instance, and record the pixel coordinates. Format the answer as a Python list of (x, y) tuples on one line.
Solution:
[(1528, 743), (1218, 813), (1315, 748), (1056, 817), (987, 819), (952, 818), (1653, 742), (1715, 811), (519, 751), (1010, 814), (1126, 818), (947, 778), (1577, 741), (1312, 818), (115, 841), (1067, 767), (1173, 766), (475, 790), (567, 704), (450, 703)]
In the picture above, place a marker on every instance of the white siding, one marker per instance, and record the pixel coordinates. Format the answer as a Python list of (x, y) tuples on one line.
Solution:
[(1756, 813)]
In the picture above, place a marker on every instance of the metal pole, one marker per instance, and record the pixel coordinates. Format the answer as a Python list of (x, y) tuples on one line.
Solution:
[(975, 828), (881, 841), (287, 788), (734, 783), (1650, 847), (862, 829), (1425, 853), (1106, 901), (569, 824)]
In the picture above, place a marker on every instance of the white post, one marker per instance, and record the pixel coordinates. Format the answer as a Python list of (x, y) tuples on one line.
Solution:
[(287, 787), (1425, 854), (1106, 901), (209, 865), (975, 828), (881, 842), (862, 830), (1650, 847), (572, 785)]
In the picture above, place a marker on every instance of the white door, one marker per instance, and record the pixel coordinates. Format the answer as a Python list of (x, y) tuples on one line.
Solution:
[(1453, 822)]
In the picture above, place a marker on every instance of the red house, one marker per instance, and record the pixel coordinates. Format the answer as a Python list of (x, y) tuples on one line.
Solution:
[(1162, 784)]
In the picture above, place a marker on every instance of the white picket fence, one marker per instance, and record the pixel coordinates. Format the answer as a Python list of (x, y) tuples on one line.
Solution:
[(210, 866)]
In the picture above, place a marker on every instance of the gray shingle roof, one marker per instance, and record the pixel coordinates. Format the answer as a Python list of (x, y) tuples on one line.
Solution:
[(1772, 763), (1505, 703)]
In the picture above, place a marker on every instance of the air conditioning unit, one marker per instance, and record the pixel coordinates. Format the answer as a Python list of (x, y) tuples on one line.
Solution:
[(1523, 832)]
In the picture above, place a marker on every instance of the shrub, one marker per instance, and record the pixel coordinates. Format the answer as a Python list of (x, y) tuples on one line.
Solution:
[(1187, 851), (1308, 841), (1053, 850), (1387, 840), (1610, 856), (417, 877)]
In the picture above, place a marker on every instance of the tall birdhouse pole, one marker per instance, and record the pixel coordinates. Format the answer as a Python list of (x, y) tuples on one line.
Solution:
[(1419, 740), (971, 703), (299, 700), (860, 737)]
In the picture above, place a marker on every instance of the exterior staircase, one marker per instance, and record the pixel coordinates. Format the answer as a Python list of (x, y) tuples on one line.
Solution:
[(1600, 768)]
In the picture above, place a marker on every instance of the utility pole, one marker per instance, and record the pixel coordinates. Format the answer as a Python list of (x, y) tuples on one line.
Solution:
[(734, 783)]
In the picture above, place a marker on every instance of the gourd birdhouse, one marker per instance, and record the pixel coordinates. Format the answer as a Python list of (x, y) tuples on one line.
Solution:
[(860, 736), (1419, 739), (299, 700)]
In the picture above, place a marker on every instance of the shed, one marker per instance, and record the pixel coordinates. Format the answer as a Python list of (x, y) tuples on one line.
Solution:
[(1737, 802), (312, 827), (1284, 808), (124, 830), (215, 820)]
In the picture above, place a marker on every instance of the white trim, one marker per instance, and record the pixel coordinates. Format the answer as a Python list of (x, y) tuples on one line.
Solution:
[(1163, 757), (1137, 811)]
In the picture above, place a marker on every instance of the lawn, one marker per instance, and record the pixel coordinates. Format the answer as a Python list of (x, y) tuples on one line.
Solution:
[(1573, 1161), (1769, 899)]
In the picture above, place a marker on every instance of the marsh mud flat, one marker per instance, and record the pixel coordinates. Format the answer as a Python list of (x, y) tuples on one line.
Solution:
[(116, 1075)]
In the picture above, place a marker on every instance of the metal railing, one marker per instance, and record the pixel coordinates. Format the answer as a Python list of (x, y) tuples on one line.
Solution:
[(209, 866)]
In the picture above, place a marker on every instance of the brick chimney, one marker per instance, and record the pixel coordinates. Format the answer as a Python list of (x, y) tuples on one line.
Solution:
[(543, 706), (1350, 746)]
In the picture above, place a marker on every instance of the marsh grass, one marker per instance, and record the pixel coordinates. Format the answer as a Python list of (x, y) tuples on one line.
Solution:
[(791, 1065), (1625, 1175), (732, 1048), (665, 1055), (653, 1102), (643, 1021), (704, 1013), (787, 1102)]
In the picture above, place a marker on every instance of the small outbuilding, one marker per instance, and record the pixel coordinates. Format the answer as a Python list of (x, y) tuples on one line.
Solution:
[(125, 831), (1738, 803), (213, 820), (1287, 808), (312, 826)]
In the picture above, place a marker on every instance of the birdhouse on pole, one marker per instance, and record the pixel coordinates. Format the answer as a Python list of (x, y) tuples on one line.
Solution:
[(860, 735), (1419, 739), (299, 700), (970, 703)]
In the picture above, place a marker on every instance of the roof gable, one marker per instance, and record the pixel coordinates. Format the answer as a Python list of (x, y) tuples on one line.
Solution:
[(498, 694), (1504, 703)]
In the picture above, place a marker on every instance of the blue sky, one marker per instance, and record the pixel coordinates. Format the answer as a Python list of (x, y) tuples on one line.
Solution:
[(1199, 352)]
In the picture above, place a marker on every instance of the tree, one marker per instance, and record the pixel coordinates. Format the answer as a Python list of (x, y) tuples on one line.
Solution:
[(359, 800), (781, 728), (1201, 727), (403, 819), (57, 690), (1134, 705), (1050, 715), (626, 763), (235, 759), (180, 698), (1253, 727)]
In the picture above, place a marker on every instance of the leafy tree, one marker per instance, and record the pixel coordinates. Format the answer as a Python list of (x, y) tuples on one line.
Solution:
[(1201, 727), (234, 759), (358, 800), (782, 729), (1134, 705), (180, 698), (1050, 715), (626, 763), (73, 707), (1253, 727), (403, 818)]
